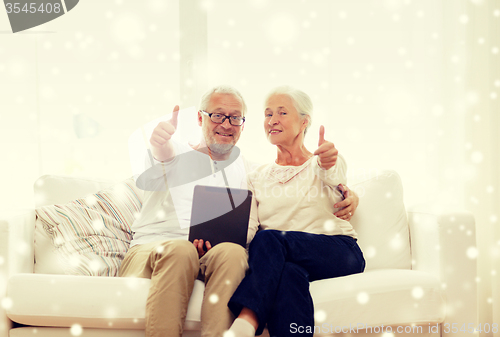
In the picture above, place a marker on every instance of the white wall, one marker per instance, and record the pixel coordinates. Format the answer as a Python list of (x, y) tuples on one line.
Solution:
[(374, 69), (108, 66)]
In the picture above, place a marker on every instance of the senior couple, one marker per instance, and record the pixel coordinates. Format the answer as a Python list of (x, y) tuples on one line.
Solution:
[(297, 234)]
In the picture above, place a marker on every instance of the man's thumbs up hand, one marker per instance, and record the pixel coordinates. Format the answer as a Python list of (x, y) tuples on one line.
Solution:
[(160, 139), (326, 152), (165, 130), (175, 116)]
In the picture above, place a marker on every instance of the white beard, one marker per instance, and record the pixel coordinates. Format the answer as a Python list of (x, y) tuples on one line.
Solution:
[(217, 147), (221, 148)]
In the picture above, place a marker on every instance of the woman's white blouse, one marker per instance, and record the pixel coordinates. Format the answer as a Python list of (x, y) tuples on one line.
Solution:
[(298, 198)]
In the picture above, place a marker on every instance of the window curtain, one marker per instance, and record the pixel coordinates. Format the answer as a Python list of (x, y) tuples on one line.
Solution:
[(481, 146)]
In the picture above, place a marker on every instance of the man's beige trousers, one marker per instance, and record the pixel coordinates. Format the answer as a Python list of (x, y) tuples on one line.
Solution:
[(173, 267)]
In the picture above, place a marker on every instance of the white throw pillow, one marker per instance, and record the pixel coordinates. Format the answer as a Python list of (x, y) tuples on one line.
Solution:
[(88, 236)]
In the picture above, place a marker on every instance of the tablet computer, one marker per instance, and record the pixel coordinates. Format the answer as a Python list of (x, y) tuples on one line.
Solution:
[(220, 214)]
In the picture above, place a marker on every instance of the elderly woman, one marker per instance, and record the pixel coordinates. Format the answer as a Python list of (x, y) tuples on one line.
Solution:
[(304, 238)]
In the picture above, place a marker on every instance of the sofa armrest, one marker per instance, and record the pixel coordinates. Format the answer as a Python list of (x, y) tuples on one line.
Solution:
[(444, 244), (17, 229), (16, 253)]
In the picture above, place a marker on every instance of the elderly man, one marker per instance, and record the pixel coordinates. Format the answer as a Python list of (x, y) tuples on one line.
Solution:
[(160, 249)]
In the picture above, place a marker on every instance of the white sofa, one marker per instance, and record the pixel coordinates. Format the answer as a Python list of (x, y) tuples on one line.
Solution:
[(420, 277)]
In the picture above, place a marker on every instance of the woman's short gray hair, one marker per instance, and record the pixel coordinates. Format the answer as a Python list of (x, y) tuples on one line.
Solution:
[(301, 101), (222, 89)]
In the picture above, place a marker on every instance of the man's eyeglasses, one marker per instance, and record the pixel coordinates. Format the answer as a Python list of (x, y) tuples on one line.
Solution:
[(220, 118)]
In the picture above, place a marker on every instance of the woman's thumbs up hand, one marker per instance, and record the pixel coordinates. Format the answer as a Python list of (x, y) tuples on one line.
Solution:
[(326, 152)]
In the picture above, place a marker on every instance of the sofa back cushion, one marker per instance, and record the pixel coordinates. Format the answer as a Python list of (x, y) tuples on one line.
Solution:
[(86, 236), (381, 222), (60, 189)]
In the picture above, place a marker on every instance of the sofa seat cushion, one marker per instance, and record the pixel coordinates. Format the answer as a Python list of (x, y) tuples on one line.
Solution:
[(92, 302), (372, 298), (378, 297), (66, 332)]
